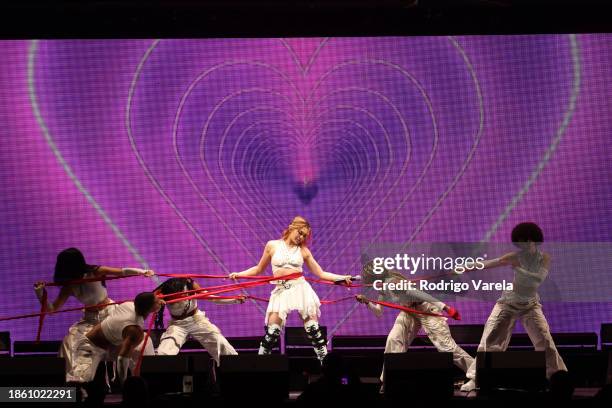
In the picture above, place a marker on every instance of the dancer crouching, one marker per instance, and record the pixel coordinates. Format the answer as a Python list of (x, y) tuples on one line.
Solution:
[(407, 325), (121, 334), (71, 266), (189, 320)]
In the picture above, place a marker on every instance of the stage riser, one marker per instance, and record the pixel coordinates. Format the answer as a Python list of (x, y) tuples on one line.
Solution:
[(588, 368)]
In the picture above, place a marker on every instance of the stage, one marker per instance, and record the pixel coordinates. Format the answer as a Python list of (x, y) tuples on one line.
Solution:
[(202, 185), (190, 378)]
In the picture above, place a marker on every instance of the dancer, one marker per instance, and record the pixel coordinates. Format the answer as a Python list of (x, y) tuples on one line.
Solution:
[(530, 269), (121, 334), (287, 255), (70, 266), (407, 325), (189, 320)]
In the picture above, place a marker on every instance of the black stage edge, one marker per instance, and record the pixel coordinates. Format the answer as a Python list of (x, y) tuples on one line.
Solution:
[(290, 18), (420, 375)]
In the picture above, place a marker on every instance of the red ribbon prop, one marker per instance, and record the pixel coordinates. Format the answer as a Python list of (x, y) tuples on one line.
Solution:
[(404, 308), (212, 290), (73, 309), (323, 302), (144, 345), (41, 318), (202, 293)]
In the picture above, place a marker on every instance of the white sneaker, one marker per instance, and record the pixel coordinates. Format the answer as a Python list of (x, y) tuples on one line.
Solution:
[(469, 386)]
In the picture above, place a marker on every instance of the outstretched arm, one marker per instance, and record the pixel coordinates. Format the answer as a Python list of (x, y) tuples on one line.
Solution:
[(374, 308), (264, 261), (107, 270), (62, 297), (508, 259), (318, 271)]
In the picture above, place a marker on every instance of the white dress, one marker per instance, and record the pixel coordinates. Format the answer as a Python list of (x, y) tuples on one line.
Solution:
[(293, 294)]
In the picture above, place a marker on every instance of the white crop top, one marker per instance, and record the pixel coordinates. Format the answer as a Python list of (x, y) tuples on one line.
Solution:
[(121, 316), (179, 309), (286, 257), (528, 277), (89, 293)]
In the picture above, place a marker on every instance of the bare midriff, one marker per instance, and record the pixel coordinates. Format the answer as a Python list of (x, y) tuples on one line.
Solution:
[(279, 273)]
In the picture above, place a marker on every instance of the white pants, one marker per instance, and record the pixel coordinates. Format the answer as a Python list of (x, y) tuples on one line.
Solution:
[(76, 333), (201, 329), (407, 325), (498, 330), (87, 356)]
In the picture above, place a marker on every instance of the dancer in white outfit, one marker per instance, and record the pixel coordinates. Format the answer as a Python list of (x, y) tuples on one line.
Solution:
[(189, 320), (121, 334), (407, 325), (522, 302), (287, 255), (71, 266)]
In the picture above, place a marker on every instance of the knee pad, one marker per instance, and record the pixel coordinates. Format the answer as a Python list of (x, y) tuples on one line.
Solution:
[(315, 334), (270, 339)]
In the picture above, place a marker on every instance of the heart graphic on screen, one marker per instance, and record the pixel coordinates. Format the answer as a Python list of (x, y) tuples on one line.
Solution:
[(301, 133), (238, 136)]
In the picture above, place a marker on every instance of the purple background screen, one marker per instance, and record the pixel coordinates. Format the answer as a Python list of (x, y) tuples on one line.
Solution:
[(186, 156)]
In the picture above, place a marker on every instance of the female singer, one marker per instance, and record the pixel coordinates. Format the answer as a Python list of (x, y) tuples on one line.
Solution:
[(287, 255)]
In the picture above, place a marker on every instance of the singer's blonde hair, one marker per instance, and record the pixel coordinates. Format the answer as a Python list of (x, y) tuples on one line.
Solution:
[(297, 223)]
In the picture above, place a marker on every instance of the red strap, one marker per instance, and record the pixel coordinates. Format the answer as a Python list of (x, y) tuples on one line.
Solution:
[(41, 318), (144, 345), (204, 293), (323, 302), (203, 276), (259, 298), (224, 288), (232, 286), (344, 284), (329, 302), (73, 309), (404, 308)]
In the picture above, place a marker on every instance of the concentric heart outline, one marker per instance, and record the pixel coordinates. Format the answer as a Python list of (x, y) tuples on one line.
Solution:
[(321, 124), (203, 162), (180, 107), (339, 66), (50, 141), (218, 66), (296, 89)]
